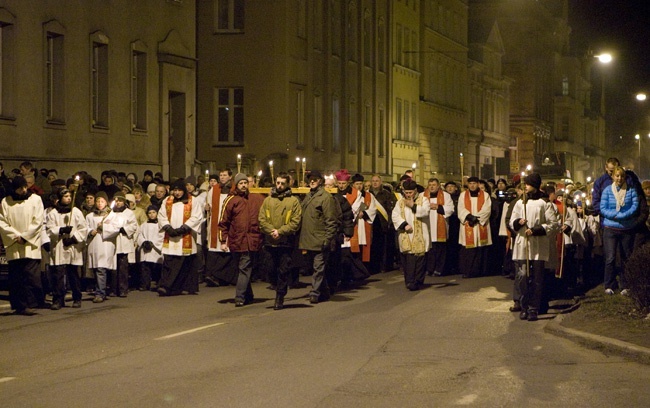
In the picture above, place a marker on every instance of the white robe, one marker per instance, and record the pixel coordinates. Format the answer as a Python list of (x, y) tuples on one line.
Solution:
[(125, 244), (538, 212), (483, 218), (359, 227), (448, 206), (151, 232), (60, 254), (421, 212), (101, 247), (175, 219), (22, 219), (208, 200)]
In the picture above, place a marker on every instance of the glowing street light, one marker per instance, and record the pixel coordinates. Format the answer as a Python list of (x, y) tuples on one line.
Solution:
[(604, 58), (641, 97)]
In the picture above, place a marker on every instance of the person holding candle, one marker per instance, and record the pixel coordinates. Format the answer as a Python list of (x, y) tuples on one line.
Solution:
[(219, 269)]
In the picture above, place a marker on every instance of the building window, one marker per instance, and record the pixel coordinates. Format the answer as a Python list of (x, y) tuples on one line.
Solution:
[(99, 81), (299, 117), (407, 120), (381, 46), (367, 38), (229, 15), (301, 24), (230, 116), (353, 45), (414, 118), (353, 127), (398, 119), (565, 86), (367, 134), (7, 55), (54, 73), (335, 28), (318, 22), (139, 87), (381, 134), (336, 124), (318, 122)]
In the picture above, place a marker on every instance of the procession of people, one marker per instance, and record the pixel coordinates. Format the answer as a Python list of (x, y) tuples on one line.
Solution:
[(118, 235)]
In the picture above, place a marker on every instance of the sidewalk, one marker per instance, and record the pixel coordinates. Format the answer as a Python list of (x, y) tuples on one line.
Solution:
[(603, 344)]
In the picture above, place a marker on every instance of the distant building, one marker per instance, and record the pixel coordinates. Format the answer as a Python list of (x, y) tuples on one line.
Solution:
[(98, 84)]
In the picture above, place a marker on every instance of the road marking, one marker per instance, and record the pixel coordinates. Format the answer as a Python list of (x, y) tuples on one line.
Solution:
[(188, 331), (5, 379)]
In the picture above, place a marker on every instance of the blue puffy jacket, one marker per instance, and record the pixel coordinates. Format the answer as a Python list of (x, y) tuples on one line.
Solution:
[(626, 217)]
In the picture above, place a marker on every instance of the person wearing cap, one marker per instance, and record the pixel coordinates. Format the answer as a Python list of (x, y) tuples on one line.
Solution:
[(534, 225), (441, 207), (108, 180), (321, 216), (147, 179), (124, 244), (474, 210), (180, 217), (151, 190), (219, 267), (21, 224), (239, 234), (279, 220), (103, 229), (150, 243), (410, 217), (67, 231)]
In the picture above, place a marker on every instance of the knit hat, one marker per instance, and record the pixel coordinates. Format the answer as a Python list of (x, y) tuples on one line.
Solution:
[(103, 195), (18, 182), (148, 173), (645, 184), (357, 177), (410, 184), (190, 180), (534, 180), (451, 183), (119, 196), (473, 179), (178, 185), (239, 177), (315, 174), (151, 188), (130, 198), (152, 208), (342, 175)]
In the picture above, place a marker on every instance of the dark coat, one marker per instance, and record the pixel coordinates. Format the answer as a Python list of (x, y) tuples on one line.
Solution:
[(239, 225)]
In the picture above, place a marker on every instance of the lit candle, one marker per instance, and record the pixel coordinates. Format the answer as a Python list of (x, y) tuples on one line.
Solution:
[(304, 167), (462, 168), (239, 163), (297, 171), (258, 177), (271, 169)]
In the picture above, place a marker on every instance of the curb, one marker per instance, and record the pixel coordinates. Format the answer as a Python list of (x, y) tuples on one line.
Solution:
[(606, 345)]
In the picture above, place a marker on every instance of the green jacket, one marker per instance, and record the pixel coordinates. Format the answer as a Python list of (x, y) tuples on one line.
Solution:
[(281, 212), (321, 216)]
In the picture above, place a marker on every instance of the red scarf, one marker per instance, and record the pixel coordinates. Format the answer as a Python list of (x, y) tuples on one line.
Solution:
[(187, 213), (441, 233), (469, 231), (354, 241), (559, 240)]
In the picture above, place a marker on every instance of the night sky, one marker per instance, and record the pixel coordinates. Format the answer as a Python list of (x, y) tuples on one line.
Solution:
[(621, 28)]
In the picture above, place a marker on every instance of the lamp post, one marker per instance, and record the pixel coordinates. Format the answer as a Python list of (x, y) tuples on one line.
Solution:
[(604, 58)]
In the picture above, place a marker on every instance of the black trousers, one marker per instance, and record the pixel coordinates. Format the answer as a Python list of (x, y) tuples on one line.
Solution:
[(436, 258), (149, 271), (413, 267), (281, 257), (120, 278), (25, 286), (175, 272), (60, 274), (220, 267), (472, 262)]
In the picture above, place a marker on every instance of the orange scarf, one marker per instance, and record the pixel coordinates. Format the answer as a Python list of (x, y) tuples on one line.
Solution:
[(441, 233), (354, 241), (187, 213), (469, 231)]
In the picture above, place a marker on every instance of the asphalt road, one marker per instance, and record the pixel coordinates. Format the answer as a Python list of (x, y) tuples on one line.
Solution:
[(452, 344)]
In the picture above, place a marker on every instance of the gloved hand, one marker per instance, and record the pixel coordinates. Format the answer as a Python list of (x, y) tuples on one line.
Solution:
[(170, 230), (46, 247), (70, 241), (147, 246), (122, 231), (183, 230), (472, 220), (65, 230)]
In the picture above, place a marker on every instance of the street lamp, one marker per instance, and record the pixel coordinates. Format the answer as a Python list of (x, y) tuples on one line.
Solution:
[(604, 58), (637, 137), (641, 97)]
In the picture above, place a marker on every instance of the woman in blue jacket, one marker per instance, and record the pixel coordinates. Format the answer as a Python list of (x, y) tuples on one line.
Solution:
[(619, 207)]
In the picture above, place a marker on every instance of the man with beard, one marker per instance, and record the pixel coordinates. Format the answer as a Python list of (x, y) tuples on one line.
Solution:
[(239, 234), (180, 217), (321, 216), (279, 220), (441, 207), (67, 229), (219, 268), (474, 210), (21, 224)]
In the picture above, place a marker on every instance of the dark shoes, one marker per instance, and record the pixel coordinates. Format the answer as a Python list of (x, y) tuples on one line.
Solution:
[(26, 312), (162, 291), (530, 315), (516, 307), (279, 303), (211, 282), (55, 306), (523, 315), (313, 299), (76, 304), (239, 303)]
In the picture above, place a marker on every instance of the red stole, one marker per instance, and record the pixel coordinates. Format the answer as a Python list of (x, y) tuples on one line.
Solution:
[(559, 239), (441, 233), (214, 215), (187, 213), (354, 241), (469, 231)]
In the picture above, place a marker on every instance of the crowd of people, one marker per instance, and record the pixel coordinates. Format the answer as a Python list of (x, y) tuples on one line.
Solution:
[(119, 234)]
